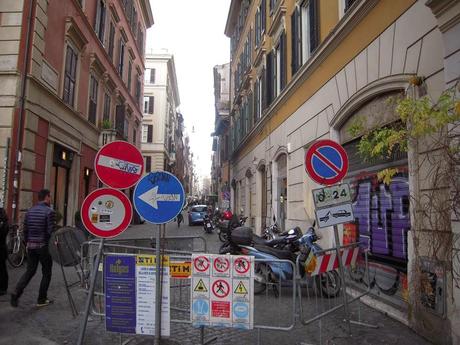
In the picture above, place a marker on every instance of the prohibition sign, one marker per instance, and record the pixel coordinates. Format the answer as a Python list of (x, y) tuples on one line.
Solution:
[(242, 265), (221, 265), (220, 288), (326, 162), (201, 263)]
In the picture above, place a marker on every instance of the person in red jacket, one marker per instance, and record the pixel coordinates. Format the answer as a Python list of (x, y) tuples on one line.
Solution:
[(39, 223)]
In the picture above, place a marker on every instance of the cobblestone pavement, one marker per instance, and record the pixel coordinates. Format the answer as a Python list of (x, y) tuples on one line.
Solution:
[(54, 324)]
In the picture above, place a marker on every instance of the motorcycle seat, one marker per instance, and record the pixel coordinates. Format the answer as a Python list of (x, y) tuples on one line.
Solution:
[(270, 243), (279, 253)]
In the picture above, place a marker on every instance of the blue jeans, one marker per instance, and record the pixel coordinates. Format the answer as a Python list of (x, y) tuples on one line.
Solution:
[(35, 256)]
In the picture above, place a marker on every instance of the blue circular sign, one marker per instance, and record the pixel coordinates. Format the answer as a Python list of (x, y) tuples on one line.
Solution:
[(241, 310), (200, 307), (159, 197)]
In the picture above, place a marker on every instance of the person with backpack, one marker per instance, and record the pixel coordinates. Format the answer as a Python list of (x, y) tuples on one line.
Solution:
[(4, 227)]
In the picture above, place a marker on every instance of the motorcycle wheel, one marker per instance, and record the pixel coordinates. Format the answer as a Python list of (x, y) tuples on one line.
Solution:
[(262, 273), (223, 236), (328, 284)]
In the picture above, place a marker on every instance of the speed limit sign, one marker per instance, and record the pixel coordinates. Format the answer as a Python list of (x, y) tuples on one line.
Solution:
[(332, 195)]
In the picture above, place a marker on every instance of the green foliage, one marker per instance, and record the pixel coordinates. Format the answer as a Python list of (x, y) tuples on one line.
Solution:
[(106, 124), (386, 175)]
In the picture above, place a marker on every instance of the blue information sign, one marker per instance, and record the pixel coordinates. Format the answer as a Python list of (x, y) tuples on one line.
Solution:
[(159, 197), (120, 294)]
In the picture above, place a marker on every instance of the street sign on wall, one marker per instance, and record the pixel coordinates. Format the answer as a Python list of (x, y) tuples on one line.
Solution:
[(332, 195), (106, 212), (119, 164), (334, 215), (326, 162), (159, 197)]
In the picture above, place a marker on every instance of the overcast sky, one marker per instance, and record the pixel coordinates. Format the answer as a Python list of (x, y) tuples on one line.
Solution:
[(194, 32)]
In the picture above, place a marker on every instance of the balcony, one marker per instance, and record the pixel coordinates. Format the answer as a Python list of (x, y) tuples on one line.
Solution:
[(107, 136)]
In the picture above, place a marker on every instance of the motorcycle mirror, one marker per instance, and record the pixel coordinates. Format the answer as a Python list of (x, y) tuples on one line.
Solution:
[(274, 219), (291, 232), (314, 223)]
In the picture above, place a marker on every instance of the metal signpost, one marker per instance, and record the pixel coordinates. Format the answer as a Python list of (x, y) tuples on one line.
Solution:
[(107, 212), (326, 162), (158, 198)]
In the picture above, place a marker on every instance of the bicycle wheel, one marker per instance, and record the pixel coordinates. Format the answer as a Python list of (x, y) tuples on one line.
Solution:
[(16, 251)]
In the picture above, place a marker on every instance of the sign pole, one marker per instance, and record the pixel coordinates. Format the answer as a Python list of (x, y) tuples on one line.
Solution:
[(90, 292), (342, 277), (158, 298)]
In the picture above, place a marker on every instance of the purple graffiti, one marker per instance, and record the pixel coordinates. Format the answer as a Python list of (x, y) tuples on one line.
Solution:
[(382, 215)]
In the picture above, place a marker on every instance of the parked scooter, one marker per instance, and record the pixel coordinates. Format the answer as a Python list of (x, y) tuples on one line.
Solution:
[(232, 224), (243, 242), (207, 224)]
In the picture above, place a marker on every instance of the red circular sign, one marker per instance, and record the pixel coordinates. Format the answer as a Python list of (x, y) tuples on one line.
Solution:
[(106, 212), (221, 265), (220, 288), (326, 162), (242, 265), (201, 263), (119, 164)]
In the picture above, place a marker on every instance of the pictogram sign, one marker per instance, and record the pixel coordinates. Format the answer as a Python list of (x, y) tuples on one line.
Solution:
[(241, 289), (200, 287), (159, 197), (119, 164), (221, 288), (326, 162), (106, 212), (242, 265), (201, 264), (221, 264)]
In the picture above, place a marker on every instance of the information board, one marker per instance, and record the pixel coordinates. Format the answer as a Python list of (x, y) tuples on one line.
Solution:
[(222, 291)]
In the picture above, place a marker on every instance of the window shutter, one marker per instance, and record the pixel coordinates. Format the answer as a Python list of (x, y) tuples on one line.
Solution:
[(111, 41), (120, 119), (251, 111), (283, 61), (264, 91), (149, 133), (148, 164), (151, 100), (97, 21), (295, 33), (313, 25), (264, 15), (269, 78), (92, 112), (152, 76), (102, 23)]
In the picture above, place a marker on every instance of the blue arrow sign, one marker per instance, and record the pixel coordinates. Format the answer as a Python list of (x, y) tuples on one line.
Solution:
[(159, 197)]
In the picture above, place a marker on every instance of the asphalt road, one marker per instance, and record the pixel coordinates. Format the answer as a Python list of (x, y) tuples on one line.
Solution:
[(54, 324)]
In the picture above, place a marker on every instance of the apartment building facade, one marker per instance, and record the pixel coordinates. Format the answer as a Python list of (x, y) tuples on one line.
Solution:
[(306, 70), (162, 124), (220, 168), (71, 80)]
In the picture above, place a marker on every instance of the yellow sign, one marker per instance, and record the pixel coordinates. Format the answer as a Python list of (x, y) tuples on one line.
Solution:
[(150, 260), (180, 269), (241, 289), (200, 287)]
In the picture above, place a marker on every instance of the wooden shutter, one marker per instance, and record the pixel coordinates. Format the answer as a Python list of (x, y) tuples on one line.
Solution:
[(97, 20), (314, 25), (269, 78), (264, 91), (283, 61), (120, 119), (151, 100), (111, 40), (149, 133), (264, 15), (295, 40)]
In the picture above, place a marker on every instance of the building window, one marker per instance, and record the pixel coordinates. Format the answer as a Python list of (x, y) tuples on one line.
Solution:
[(107, 101), (130, 70), (99, 26), (111, 40), (152, 76), (296, 45), (144, 134), (148, 104), (148, 164), (70, 76), (138, 92), (149, 133), (134, 136), (93, 85), (126, 128), (121, 56), (309, 29), (120, 119), (140, 40)]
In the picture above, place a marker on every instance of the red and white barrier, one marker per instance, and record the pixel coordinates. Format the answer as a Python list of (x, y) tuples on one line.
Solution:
[(329, 262)]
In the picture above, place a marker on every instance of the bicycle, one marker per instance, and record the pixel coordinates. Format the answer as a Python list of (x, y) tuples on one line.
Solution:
[(16, 246)]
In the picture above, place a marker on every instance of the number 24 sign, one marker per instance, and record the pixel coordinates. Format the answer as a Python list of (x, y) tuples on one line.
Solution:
[(332, 195)]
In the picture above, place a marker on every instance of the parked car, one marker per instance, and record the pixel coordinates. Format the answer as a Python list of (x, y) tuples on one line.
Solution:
[(196, 214)]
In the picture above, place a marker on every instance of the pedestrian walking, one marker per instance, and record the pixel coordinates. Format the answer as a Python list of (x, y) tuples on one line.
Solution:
[(4, 227), (39, 223), (180, 219)]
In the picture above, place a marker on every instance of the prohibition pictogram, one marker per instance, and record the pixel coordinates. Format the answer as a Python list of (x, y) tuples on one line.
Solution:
[(201, 263), (242, 265), (220, 288), (221, 265), (241, 289)]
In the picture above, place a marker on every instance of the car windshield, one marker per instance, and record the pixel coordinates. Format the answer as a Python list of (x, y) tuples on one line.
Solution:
[(199, 209)]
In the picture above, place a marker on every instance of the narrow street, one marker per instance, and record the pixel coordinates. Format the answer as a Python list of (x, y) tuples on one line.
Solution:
[(55, 325)]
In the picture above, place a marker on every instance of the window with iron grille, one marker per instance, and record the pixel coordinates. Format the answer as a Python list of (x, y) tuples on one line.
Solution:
[(93, 85), (99, 23), (70, 76)]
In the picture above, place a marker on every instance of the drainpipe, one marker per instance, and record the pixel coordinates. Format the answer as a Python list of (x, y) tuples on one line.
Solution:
[(22, 101)]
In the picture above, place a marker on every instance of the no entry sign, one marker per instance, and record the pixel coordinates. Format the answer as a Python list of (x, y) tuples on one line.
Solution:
[(326, 162), (106, 212), (119, 164)]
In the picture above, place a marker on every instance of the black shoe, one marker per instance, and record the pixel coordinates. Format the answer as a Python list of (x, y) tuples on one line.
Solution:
[(44, 303), (14, 300)]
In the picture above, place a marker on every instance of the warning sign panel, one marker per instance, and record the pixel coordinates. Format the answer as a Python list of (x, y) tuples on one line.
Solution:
[(180, 270), (201, 265), (221, 265), (222, 290)]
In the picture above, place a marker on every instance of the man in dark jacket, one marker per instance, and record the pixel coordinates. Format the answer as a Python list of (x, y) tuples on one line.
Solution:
[(39, 223), (3, 251)]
